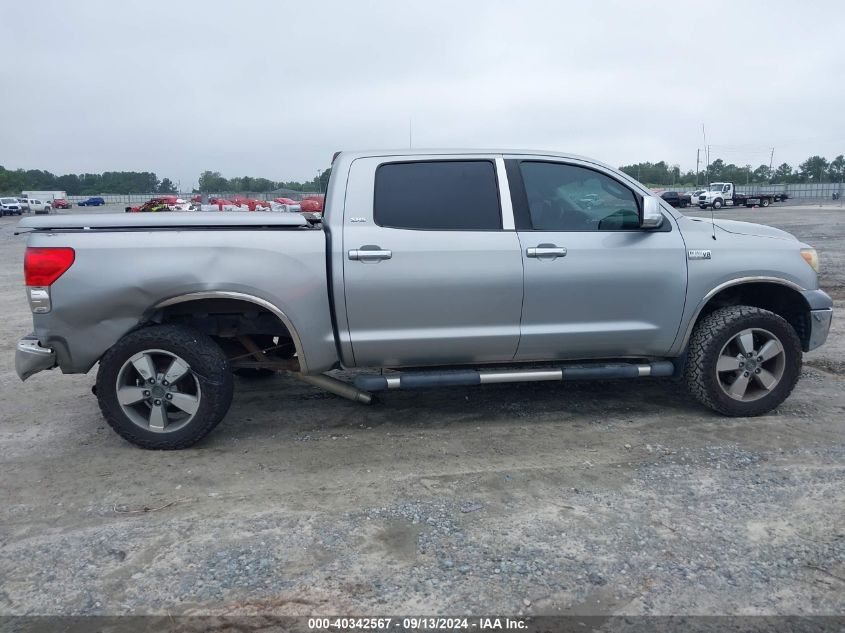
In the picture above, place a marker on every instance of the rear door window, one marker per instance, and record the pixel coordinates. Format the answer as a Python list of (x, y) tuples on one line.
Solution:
[(460, 195)]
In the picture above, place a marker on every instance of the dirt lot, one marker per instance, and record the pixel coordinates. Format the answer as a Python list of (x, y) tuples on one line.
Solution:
[(586, 499)]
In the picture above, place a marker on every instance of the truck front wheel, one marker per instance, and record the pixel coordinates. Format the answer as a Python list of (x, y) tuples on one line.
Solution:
[(743, 361), (717, 204), (164, 386)]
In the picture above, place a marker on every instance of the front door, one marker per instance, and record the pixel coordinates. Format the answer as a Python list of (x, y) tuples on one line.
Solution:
[(431, 276), (596, 285)]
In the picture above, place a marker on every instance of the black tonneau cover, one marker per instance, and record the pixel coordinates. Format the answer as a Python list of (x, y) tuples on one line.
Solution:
[(165, 220)]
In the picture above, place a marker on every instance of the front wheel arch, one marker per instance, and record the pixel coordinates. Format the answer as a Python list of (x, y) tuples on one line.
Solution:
[(779, 296)]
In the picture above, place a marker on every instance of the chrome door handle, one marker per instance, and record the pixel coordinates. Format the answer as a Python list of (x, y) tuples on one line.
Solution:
[(365, 254), (549, 251)]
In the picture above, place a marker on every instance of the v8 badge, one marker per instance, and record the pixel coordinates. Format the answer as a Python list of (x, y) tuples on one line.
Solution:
[(699, 254)]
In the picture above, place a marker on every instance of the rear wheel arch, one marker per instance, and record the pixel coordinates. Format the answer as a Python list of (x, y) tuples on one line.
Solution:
[(233, 302)]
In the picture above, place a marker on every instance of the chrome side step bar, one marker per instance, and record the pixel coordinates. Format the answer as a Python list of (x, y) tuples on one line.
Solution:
[(463, 377)]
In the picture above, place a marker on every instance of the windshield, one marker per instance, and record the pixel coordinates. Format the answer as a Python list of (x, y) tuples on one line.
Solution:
[(9, 200), (716, 186)]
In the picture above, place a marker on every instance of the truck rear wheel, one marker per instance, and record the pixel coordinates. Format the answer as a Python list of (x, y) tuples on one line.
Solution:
[(743, 361), (164, 386), (764, 202)]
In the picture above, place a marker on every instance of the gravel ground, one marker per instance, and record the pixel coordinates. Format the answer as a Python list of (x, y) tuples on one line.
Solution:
[(614, 498)]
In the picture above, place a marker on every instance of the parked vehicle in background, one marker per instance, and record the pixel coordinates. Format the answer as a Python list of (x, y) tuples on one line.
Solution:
[(47, 196), (161, 203), (284, 200), (94, 201), (589, 200), (676, 199), (38, 206), (250, 203), (10, 206), (61, 203), (312, 204), (508, 278), (24, 204), (693, 195), (150, 206), (723, 194)]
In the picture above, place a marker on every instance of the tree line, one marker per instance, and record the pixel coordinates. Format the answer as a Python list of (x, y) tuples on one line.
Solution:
[(124, 182), (214, 182), (814, 169), (17, 180)]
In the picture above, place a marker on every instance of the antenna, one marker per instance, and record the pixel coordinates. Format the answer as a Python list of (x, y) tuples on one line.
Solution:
[(712, 221), (707, 177)]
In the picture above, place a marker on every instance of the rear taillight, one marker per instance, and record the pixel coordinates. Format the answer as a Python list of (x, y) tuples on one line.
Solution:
[(42, 266)]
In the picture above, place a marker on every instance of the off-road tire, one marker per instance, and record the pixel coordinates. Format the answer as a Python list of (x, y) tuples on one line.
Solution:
[(710, 336), (208, 364)]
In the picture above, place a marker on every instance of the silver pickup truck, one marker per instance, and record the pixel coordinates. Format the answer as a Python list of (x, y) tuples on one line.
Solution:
[(443, 268)]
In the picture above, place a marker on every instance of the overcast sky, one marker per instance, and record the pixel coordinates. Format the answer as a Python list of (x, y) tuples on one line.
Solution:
[(274, 88)]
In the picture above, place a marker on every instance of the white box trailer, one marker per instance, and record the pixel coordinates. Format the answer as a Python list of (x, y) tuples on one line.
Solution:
[(45, 196)]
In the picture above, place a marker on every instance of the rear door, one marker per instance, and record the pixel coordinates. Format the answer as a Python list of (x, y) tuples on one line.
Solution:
[(596, 285), (432, 265)]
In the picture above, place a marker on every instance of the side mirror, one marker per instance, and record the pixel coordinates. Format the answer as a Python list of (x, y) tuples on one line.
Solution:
[(652, 217)]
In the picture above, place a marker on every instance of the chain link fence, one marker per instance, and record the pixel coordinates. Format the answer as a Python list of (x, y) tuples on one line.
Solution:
[(802, 190)]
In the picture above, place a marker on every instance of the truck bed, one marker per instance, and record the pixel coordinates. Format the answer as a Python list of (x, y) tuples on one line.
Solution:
[(121, 275)]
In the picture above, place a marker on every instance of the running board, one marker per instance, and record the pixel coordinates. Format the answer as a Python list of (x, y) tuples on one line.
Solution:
[(462, 377)]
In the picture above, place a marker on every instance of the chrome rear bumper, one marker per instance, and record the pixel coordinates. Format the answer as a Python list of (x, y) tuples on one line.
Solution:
[(30, 357)]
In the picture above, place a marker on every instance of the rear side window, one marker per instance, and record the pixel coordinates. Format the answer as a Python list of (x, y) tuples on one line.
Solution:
[(438, 195)]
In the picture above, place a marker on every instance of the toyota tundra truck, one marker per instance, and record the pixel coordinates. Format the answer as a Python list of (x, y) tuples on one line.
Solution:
[(427, 269)]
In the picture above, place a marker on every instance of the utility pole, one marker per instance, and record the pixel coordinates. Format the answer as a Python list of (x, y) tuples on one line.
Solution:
[(771, 159)]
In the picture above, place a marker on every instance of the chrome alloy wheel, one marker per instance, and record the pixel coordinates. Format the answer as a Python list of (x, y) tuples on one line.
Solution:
[(158, 391), (751, 365)]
